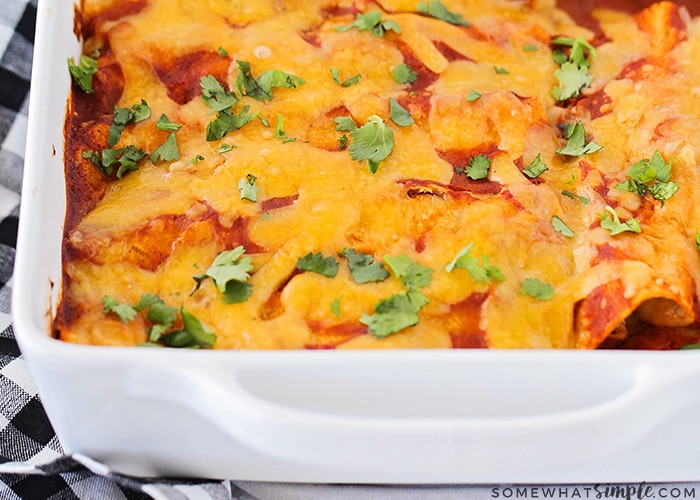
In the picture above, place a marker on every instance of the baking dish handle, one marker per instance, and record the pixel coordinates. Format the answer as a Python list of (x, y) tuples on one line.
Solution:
[(307, 432)]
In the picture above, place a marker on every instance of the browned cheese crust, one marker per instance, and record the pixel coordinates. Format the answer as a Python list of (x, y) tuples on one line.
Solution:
[(559, 258)]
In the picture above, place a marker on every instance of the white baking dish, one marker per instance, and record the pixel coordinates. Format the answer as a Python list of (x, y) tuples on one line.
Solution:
[(385, 417)]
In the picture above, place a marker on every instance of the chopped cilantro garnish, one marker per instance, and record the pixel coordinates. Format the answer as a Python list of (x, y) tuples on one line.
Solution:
[(573, 74), (574, 196), (576, 142), (610, 220), (141, 111), (344, 123), (395, 313), (167, 151), (437, 9), (226, 122), (230, 271), (560, 227), (124, 159), (412, 275), (196, 159), (537, 289), (194, 334), (316, 263), (122, 116), (478, 167), (342, 141), (697, 239), (164, 123), (225, 148), (335, 307), (530, 47), (501, 71), (404, 74), (363, 267), (214, 95), (353, 80), (83, 72), (536, 168), (374, 141), (572, 79), (478, 272), (372, 22), (125, 312), (261, 88), (399, 115), (473, 95), (222, 52), (650, 176), (248, 189), (279, 130)]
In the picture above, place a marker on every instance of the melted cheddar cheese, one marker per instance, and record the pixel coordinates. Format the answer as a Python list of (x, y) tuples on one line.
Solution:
[(482, 92)]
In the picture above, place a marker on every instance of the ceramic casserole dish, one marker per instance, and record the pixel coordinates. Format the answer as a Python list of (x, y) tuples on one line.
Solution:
[(460, 416)]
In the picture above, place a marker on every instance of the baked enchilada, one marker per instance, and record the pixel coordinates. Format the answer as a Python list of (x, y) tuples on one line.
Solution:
[(289, 174)]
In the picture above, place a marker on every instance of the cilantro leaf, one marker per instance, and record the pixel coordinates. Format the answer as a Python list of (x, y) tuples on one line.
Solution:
[(344, 123), (128, 161), (214, 95), (478, 167), (697, 239), (437, 9), (399, 115), (412, 275), (193, 335), (83, 72), (560, 227), (536, 168), (574, 196), (159, 313), (247, 187), (225, 148), (576, 142), (530, 47), (353, 80), (164, 123), (537, 289), (222, 51), (372, 22), (125, 159), (611, 221), (650, 176), (363, 267), (572, 78), (582, 52), (479, 273), (226, 122), (501, 71), (573, 74), (122, 116), (335, 307), (395, 313), (167, 151), (316, 263), (279, 130), (374, 141), (404, 74), (473, 95), (261, 88), (141, 111), (230, 271), (125, 312)]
